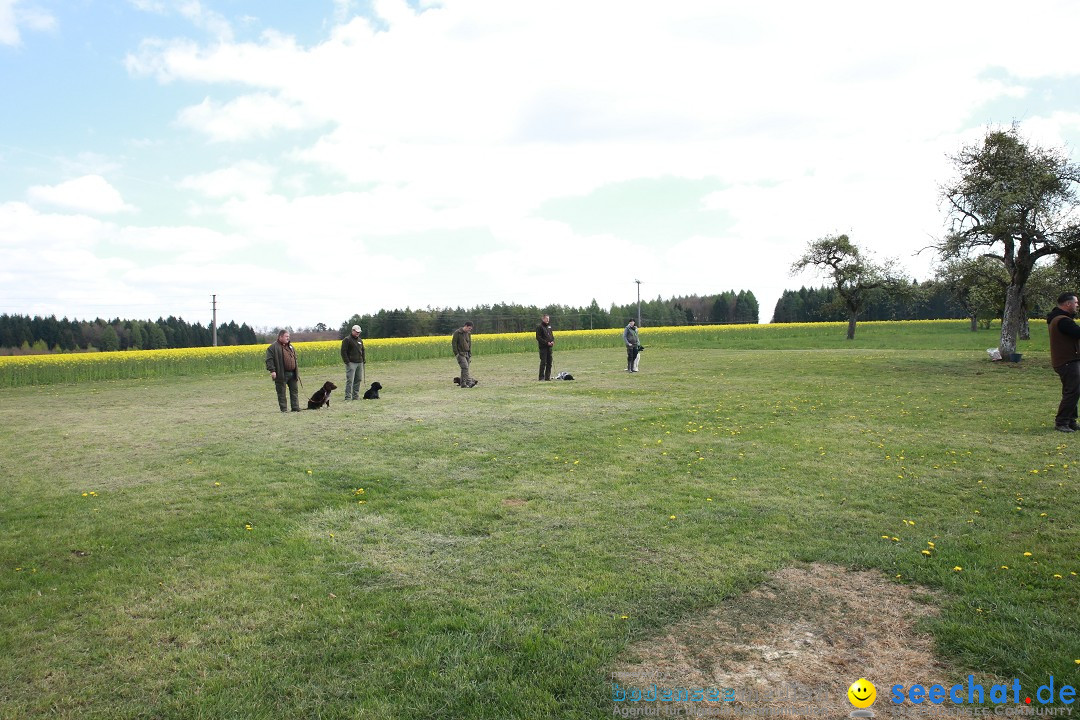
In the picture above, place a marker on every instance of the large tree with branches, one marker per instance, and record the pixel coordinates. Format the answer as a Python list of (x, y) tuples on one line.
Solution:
[(853, 274), (1016, 203)]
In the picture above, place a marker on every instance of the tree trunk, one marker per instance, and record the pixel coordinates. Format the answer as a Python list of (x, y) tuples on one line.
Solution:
[(1011, 320), (974, 323), (851, 326), (1025, 328)]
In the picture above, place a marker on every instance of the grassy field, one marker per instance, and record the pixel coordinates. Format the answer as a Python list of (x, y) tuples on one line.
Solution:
[(177, 548)]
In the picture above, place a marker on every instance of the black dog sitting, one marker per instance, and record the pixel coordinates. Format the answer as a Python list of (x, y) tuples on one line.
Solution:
[(321, 396), (472, 382), (372, 393)]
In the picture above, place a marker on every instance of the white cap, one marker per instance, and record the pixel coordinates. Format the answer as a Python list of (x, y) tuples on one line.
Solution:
[(356, 328)]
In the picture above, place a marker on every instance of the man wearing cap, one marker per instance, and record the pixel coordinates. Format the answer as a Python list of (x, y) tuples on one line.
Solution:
[(352, 354)]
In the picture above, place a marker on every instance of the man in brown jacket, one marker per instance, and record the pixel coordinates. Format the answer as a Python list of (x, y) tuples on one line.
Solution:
[(461, 342), (352, 354), (281, 364), (1065, 358)]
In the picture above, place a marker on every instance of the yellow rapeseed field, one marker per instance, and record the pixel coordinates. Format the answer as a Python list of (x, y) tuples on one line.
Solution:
[(20, 370)]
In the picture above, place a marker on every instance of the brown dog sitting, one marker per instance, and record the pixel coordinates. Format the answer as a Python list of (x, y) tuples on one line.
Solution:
[(321, 396)]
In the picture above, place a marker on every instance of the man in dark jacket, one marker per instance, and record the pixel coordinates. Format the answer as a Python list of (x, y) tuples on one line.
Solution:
[(462, 345), (281, 364), (352, 354), (1065, 358), (545, 340)]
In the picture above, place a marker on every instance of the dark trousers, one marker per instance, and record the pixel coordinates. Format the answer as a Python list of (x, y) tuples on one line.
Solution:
[(294, 392), (631, 353), (1070, 392), (545, 362)]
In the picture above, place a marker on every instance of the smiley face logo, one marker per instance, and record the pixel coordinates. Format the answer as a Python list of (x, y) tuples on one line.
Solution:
[(862, 693)]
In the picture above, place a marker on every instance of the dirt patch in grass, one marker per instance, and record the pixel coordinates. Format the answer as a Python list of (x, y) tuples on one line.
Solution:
[(812, 629), (513, 502)]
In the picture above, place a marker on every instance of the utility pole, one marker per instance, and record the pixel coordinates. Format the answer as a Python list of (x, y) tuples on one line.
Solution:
[(638, 302), (213, 303)]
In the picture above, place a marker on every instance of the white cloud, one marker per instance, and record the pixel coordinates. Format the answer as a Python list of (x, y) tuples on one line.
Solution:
[(184, 244), (9, 31), (12, 17), (248, 117), (89, 193), (343, 9), (205, 19), (240, 180)]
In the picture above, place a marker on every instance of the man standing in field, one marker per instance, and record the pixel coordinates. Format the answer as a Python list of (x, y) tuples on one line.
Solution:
[(545, 339), (281, 364), (1065, 359), (462, 344), (630, 337), (352, 354)]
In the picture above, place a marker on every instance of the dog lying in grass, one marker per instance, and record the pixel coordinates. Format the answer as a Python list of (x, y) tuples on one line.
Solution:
[(372, 393), (321, 396)]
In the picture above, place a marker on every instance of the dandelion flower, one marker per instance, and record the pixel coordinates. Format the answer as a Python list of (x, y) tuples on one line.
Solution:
[(925, 552), (1004, 567), (1057, 576), (671, 517), (1027, 554), (957, 569)]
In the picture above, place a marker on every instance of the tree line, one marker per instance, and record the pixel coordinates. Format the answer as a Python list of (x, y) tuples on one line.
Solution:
[(930, 300), (726, 307), (22, 333)]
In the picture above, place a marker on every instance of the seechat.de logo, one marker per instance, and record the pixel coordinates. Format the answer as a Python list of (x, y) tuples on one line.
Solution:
[(974, 693)]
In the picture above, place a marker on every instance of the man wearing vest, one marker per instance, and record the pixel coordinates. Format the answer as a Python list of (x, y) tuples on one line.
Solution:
[(1065, 357), (281, 364)]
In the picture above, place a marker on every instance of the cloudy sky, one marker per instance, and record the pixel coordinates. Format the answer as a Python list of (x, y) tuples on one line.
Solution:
[(310, 160)]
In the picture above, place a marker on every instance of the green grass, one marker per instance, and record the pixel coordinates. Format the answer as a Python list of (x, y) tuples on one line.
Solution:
[(507, 529)]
